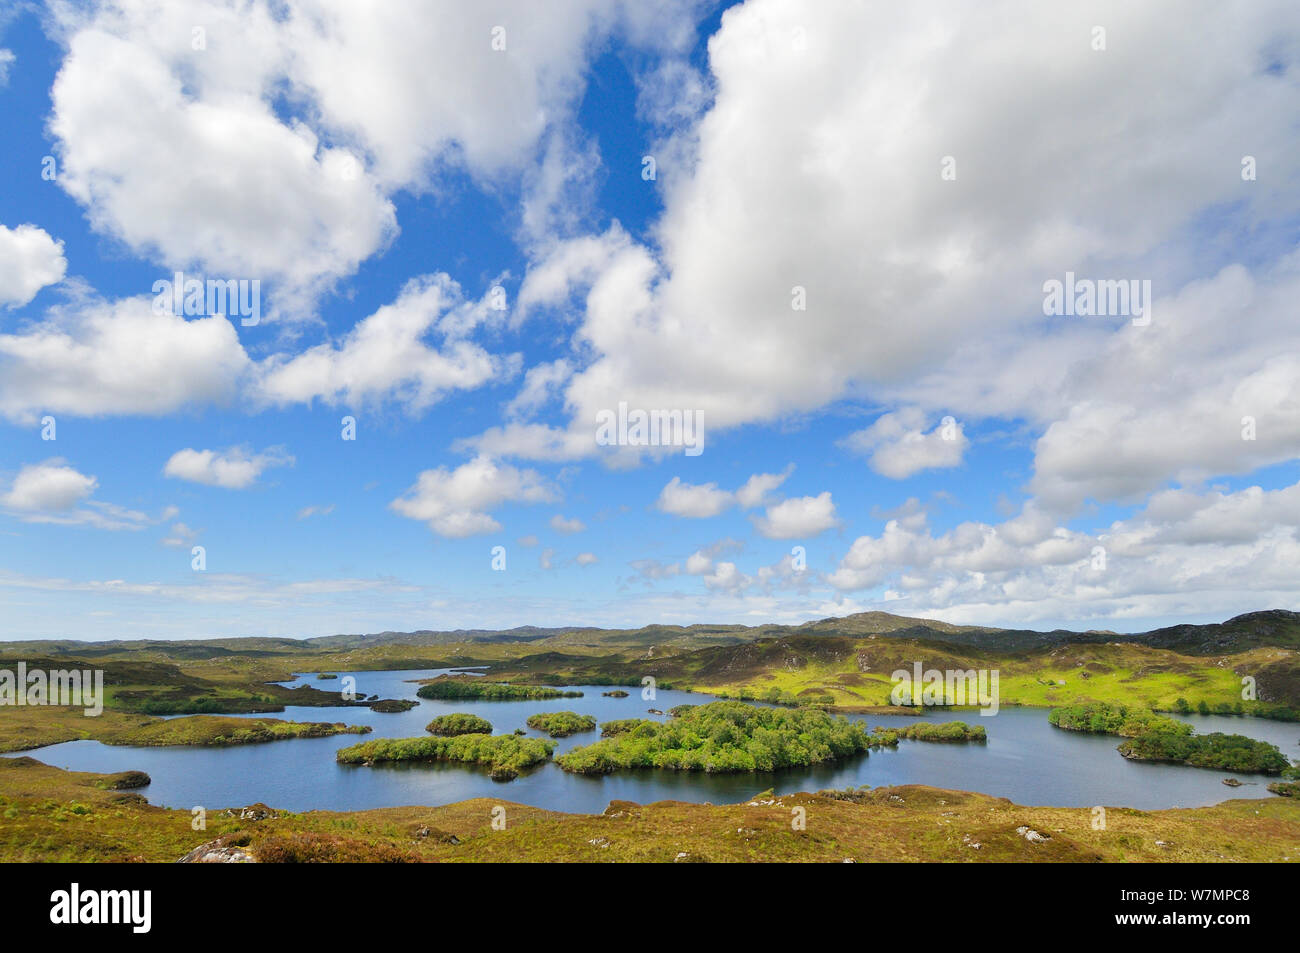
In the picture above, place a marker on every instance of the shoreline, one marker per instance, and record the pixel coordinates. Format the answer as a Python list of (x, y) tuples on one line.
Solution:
[(908, 822)]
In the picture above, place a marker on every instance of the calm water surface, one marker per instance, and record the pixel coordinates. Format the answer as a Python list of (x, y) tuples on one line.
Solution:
[(1025, 759)]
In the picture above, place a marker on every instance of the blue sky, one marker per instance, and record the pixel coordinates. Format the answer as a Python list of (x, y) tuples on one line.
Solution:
[(934, 444)]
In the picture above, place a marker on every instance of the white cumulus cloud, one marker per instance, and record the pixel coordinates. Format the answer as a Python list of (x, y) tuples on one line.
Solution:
[(456, 503), (694, 501), (29, 260), (55, 492), (233, 469), (411, 351), (52, 485), (567, 526), (898, 446), (798, 517), (700, 501), (97, 358)]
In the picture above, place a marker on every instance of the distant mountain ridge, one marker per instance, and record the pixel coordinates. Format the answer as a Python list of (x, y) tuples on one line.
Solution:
[(1272, 627)]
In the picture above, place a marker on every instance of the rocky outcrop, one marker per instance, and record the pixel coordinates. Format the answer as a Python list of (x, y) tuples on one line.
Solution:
[(215, 852), (437, 835), (1033, 836), (254, 812), (126, 780), (623, 809)]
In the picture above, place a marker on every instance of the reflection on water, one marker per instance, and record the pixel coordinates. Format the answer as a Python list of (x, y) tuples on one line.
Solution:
[(1025, 759)]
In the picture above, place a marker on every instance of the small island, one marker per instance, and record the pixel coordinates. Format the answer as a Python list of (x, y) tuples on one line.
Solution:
[(616, 693), (475, 688), (1217, 750), (459, 724), (948, 731), (561, 724), (392, 706), (217, 731), (724, 737), (503, 755), (1153, 737), (1103, 719)]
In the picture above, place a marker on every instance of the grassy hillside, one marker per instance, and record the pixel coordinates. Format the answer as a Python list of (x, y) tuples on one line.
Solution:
[(854, 672)]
